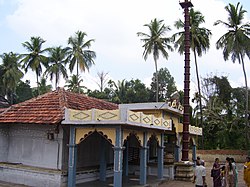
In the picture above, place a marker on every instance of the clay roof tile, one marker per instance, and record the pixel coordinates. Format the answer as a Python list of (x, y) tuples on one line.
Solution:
[(49, 108)]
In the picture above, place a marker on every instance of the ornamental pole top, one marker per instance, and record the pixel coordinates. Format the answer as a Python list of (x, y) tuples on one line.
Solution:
[(186, 4)]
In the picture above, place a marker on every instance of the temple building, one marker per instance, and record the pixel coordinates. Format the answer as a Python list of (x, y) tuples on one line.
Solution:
[(63, 138)]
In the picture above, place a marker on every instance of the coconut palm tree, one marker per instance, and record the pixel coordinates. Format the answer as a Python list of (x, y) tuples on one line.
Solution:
[(57, 61), (156, 43), (11, 74), (79, 53), (199, 43), (73, 84), (35, 58), (236, 42), (43, 86)]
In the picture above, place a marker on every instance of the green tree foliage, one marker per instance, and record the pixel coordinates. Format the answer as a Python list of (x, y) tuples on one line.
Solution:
[(137, 92), (156, 43), (236, 42), (223, 115), (100, 95), (166, 85), (57, 61), (80, 55), (10, 74), (43, 87), (23, 91), (133, 91), (35, 58), (74, 84)]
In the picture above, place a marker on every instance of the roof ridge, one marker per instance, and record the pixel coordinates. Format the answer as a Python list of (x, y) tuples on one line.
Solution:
[(63, 101)]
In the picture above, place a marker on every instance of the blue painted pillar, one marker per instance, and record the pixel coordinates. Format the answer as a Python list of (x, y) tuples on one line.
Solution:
[(103, 162), (194, 154), (72, 158), (126, 159), (177, 153), (143, 160), (118, 157), (160, 157)]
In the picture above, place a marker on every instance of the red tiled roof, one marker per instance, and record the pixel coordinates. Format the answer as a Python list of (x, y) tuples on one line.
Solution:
[(2, 109), (49, 108)]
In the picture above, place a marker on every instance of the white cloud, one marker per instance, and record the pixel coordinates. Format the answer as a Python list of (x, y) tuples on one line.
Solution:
[(114, 24)]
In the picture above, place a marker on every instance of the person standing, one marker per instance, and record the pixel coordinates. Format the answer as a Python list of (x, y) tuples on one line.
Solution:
[(235, 172), (229, 173), (223, 179), (199, 175), (202, 162), (216, 173), (247, 171)]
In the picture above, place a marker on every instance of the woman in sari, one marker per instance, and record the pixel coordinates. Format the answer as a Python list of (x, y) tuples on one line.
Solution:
[(247, 172), (216, 173), (229, 173)]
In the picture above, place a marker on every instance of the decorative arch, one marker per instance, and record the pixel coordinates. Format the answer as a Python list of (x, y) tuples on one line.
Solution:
[(191, 140), (153, 144), (138, 136), (85, 136), (105, 137), (155, 137), (83, 133)]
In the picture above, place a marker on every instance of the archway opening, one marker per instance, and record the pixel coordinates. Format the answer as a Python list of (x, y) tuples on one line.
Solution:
[(132, 143), (93, 151), (153, 144)]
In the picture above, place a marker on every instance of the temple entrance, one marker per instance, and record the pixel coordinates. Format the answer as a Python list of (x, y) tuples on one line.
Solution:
[(95, 157), (152, 149), (132, 151)]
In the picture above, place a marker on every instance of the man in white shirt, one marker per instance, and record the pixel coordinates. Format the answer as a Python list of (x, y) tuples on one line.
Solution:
[(202, 162), (199, 175)]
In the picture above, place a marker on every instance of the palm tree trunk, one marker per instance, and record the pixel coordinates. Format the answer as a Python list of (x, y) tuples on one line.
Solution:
[(245, 77), (78, 83), (157, 81), (11, 97), (57, 80), (246, 110), (199, 91), (37, 82), (77, 69)]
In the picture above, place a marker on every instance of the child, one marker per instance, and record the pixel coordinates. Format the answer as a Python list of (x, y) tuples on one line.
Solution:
[(223, 180)]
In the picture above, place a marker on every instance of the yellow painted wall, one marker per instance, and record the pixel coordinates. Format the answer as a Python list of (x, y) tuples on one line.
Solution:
[(156, 113), (159, 114)]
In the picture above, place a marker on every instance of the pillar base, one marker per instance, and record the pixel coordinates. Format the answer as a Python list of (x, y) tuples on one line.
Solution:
[(184, 171)]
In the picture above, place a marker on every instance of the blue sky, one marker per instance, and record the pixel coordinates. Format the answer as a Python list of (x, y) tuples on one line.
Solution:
[(114, 24)]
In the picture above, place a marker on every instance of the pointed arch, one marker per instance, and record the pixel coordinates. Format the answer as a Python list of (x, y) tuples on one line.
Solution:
[(138, 135), (106, 133)]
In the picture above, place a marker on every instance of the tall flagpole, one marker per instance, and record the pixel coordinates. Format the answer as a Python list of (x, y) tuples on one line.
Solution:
[(186, 117)]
